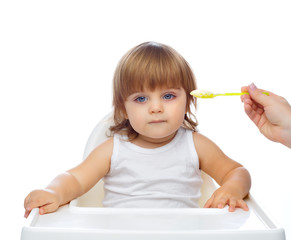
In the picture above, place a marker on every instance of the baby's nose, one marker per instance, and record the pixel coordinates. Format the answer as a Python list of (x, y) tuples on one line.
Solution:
[(156, 107)]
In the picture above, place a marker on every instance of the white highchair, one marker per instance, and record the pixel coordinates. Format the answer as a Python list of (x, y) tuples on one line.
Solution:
[(85, 218)]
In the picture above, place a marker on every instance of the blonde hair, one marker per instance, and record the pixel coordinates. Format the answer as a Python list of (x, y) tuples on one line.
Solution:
[(150, 65)]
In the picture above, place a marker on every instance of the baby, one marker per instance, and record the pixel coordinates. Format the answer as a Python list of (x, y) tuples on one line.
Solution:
[(155, 155)]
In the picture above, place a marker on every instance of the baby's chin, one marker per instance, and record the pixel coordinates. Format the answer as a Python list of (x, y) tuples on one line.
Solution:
[(159, 136)]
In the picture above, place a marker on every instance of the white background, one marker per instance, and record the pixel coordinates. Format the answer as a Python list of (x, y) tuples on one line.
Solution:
[(57, 60)]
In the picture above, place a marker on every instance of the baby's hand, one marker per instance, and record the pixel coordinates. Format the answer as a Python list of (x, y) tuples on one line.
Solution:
[(46, 200), (224, 196)]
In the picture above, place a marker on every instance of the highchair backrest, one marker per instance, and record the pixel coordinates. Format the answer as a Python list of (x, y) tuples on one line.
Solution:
[(94, 197)]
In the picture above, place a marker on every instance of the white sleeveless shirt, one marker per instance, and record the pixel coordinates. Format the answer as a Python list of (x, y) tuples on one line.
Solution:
[(163, 177)]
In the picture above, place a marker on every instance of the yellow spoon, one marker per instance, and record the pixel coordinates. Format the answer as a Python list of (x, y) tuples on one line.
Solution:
[(208, 94)]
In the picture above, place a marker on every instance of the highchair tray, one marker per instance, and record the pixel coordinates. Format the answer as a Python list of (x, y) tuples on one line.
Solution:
[(73, 221)]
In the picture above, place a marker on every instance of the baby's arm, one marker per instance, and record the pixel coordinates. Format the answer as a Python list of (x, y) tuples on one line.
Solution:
[(233, 178), (73, 183)]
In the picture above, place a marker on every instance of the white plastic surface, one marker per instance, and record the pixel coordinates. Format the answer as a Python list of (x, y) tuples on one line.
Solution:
[(78, 222), (84, 218)]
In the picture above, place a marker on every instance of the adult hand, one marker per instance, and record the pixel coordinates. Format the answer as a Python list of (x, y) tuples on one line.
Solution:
[(271, 114)]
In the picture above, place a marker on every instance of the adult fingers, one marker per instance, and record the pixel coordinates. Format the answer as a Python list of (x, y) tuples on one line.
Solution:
[(244, 97), (257, 95)]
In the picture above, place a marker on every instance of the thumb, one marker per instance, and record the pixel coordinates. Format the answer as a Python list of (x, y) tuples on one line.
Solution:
[(48, 208), (257, 95)]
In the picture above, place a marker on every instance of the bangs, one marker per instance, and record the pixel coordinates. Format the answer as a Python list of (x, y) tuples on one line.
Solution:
[(151, 68)]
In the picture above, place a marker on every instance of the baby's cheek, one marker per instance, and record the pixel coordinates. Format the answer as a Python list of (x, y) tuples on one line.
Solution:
[(136, 121)]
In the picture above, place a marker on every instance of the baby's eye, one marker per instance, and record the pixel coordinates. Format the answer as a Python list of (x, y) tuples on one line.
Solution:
[(168, 96), (141, 99)]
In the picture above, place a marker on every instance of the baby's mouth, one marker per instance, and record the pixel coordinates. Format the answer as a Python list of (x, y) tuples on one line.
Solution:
[(157, 121)]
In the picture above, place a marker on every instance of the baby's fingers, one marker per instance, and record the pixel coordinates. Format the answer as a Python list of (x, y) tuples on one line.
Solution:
[(45, 200), (31, 204), (209, 202), (27, 212), (44, 207), (48, 208), (233, 203), (243, 205), (221, 202), (215, 203)]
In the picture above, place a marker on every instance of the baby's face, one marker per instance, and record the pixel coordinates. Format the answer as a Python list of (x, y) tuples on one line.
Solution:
[(156, 114)]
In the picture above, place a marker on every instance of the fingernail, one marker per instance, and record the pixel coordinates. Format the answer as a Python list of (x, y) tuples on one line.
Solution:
[(252, 86)]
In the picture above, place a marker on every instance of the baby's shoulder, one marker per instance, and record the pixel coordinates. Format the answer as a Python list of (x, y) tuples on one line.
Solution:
[(108, 142), (197, 136), (106, 147), (201, 141)]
